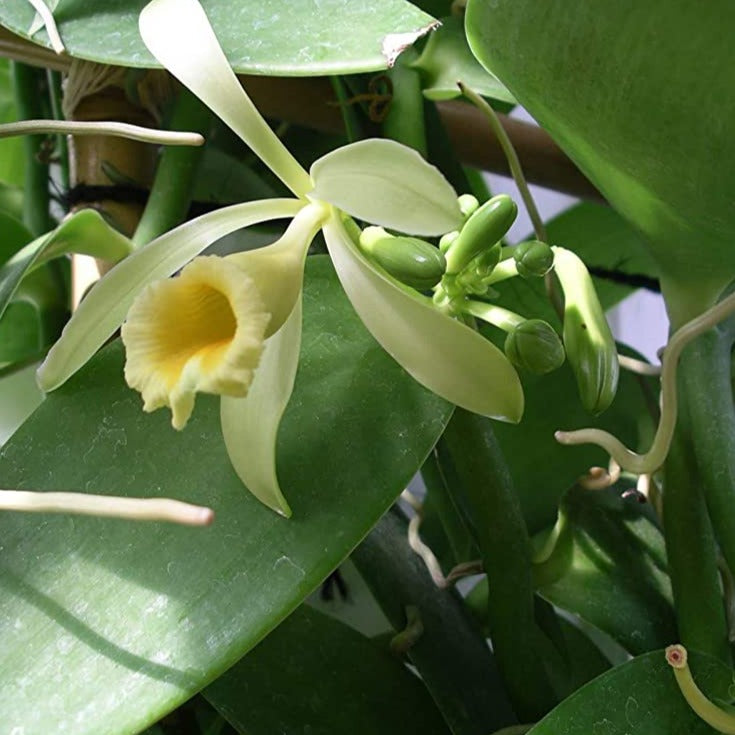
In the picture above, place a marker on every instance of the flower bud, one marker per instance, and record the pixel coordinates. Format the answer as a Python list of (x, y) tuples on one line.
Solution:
[(534, 346), (588, 341), (411, 261), (483, 229), (447, 240), (534, 259)]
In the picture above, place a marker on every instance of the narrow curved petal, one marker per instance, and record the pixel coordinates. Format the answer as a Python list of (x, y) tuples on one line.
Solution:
[(179, 35), (250, 424), (105, 307), (386, 183), (445, 356), (202, 331)]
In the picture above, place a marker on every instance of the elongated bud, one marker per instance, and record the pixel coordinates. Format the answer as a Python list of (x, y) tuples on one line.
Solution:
[(534, 346), (481, 231), (534, 259), (588, 340), (414, 262)]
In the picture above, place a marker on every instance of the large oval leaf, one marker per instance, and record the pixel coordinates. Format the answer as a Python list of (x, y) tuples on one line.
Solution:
[(625, 88), (297, 38), (128, 620), (638, 698), (303, 678)]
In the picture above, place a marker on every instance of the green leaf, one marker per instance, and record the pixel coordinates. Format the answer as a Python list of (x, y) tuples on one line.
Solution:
[(386, 183), (14, 236), (105, 306), (625, 95), (302, 38), (617, 578), (447, 59), (303, 677), (129, 620), (444, 355), (19, 333), (637, 698)]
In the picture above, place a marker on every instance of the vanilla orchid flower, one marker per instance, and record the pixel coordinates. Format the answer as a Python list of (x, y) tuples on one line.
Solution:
[(233, 325)]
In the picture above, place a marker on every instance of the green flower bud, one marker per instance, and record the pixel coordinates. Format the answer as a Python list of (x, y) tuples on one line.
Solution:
[(411, 261), (482, 230), (587, 337), (534, 259), (447, 240), (467, 204), (534, 346)]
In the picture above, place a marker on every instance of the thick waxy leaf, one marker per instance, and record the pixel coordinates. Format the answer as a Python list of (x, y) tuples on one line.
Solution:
[(444, 355), (386, 183), (640, 697), (447, 59), (625, 87), (300, 38), (128, 620), (250, 424), (105, 306), (304, 677), (617, 578)]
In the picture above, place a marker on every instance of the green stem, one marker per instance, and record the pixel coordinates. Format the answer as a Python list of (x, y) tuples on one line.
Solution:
[(486, 490), (405, 119), (451, 656), (513, 163), (690, 544), (36, 215), (706, 380), (353, 129), (170, 195), (493, 314)]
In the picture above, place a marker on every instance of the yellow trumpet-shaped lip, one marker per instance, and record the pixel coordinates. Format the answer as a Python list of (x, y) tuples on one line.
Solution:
[(202, 331)]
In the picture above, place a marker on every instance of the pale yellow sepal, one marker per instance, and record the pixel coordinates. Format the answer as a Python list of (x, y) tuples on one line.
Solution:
[(203, 331), (441, 353), (250, 425), (179, 35)]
